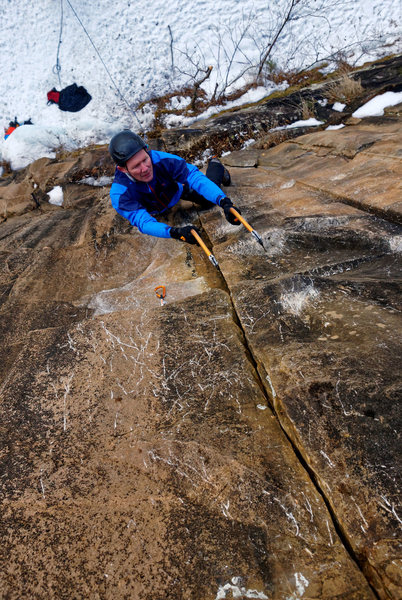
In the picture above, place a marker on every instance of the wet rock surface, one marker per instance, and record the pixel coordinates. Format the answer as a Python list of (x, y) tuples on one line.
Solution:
[(239, 441), (320, 309)]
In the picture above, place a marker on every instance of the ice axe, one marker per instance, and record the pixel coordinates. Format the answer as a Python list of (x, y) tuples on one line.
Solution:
[(247, 226), (203, 246)]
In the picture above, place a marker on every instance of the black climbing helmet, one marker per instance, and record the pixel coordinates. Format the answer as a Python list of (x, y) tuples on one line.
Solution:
[(124, 145)]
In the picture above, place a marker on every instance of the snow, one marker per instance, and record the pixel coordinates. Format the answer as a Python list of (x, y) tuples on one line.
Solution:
[(136, 51), (334, 127), (375, 106), (312, 122), (100, 182), (56, 196), (28, 142), (338, 106), (253, 95)]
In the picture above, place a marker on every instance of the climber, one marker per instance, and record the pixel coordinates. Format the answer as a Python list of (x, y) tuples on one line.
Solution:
[(149, 182)]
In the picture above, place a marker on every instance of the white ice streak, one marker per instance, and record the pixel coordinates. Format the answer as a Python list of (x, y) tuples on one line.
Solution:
[(271, 387), (309, 509), (140, 292), (183, 468), (301, 585), (290, 516), (331, 539), (66, 393), (225, 509), (235, 590), (390, 507), (41, 484), (295, 302), (331, 464)]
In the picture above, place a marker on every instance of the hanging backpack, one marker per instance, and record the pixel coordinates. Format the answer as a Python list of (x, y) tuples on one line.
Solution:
[(72, 98)]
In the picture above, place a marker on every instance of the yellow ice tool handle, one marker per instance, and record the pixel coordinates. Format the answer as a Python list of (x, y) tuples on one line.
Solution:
[(201, 243), (240, 218), (204, 247), (247, 226)]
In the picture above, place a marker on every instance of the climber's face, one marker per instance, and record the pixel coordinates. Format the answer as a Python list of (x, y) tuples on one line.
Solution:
[(140, 166)]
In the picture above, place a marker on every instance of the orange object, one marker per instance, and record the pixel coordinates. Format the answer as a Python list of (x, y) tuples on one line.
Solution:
[(247, 225), (10, 130), (204, 247), (160, 291), (241, 219)]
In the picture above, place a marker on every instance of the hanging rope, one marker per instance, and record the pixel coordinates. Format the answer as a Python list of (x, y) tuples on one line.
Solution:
[(57, 67), (105, 67)]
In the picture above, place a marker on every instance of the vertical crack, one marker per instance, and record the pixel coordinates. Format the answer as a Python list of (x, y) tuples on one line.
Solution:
[(261, 377)]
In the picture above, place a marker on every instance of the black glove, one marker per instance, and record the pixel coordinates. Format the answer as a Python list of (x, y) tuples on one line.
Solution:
[(227, 204), (184, 234)]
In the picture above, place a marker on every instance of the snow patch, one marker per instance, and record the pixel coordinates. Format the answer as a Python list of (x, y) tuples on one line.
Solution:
[(312, 122), (375, 107), (334, 127), (205, 34), (100, 182), (247, 143), (56, 196), (338, 106), (179, 102), (29, 142)]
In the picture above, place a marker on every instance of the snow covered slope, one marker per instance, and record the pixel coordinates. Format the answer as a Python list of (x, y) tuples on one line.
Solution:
[(137, 41)]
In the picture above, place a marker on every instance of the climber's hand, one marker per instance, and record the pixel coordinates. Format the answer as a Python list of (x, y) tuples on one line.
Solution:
[(184, 233), (227, 204)]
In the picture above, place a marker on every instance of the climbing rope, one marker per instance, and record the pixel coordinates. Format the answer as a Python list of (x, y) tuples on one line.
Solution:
[(57, 66), (105, 67)]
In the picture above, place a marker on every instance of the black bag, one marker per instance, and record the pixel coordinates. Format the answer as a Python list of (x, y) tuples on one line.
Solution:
[(72, 98)]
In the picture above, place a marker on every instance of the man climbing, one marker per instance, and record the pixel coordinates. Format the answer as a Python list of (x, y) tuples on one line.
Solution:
[(149, 182)]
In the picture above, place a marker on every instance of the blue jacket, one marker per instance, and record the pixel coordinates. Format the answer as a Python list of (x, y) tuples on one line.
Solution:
[(138, 201)]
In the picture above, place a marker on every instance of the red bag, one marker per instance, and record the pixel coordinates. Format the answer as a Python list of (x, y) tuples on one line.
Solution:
[(53, 96)]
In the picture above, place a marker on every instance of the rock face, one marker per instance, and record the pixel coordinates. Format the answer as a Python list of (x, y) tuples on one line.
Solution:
[(239, 441)]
